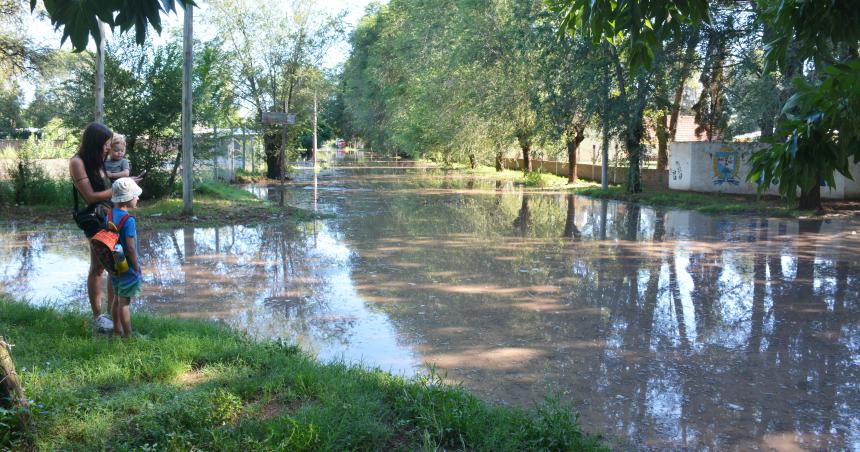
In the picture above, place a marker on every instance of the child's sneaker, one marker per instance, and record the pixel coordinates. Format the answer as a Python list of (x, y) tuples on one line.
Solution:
[(103, 324)]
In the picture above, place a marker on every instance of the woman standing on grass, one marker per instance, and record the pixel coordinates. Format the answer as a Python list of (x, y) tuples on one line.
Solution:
[(91, 182)]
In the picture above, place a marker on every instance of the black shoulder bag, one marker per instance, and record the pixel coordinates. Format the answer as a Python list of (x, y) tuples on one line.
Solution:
[(91, 219)]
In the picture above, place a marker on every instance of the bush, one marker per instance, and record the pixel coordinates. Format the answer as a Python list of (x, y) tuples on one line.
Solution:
[(57, 142), (534, 179), (30, 185), (157, 185)]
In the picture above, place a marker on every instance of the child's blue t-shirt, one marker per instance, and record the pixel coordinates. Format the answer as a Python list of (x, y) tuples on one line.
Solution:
[(128, 230)]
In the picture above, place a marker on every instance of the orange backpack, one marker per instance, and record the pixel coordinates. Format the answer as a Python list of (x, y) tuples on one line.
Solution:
[(105, 244)]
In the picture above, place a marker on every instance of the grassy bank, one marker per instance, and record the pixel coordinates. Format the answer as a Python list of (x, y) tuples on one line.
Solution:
[(218, 203), (215, 204), (531, 179), (196, 385), (700, 202)]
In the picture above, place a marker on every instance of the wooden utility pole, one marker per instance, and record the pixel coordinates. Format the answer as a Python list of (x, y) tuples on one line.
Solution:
[(604, 165), (282, 160), (187, 132), (99, 111), (232, 156), (315, 132), (244, 155)]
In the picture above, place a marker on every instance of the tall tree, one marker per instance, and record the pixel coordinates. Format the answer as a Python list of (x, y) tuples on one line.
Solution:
[(568, 68), (820, 128), (819, 133), (274, 44)]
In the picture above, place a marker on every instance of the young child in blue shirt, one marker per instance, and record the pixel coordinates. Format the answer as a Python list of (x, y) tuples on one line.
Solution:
[(116, 165), (125, 193)]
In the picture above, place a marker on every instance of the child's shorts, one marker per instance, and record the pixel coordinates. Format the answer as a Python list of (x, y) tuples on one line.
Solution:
[(126, 289)]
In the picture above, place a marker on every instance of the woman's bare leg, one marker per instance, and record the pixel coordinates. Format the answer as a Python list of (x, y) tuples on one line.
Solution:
[(94, 284)]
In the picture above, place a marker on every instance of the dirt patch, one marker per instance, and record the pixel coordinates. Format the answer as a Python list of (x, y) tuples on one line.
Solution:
[(192, 378), (276, 408)]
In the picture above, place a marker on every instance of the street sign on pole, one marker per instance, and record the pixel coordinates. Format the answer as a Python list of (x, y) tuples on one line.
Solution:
[(278, 117)]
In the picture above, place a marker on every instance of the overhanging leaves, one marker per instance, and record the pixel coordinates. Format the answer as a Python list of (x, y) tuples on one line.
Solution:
[(78, 19)]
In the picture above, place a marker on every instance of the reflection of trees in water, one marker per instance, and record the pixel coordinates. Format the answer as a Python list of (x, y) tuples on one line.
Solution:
[(570, 229), (657, 363), (223, 273), (521, 222)]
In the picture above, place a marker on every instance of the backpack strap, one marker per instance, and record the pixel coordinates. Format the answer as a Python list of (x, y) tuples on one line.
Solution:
[(121, 220)]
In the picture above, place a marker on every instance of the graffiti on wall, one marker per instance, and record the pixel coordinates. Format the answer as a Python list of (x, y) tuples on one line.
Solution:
[(676, 172), (727, 165)]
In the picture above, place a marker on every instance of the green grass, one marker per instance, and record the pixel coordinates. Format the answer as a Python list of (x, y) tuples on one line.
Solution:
[(532, 179), (215, 204), (700, 202), (37, 189), (196, 385), (248, 177), (223, 191)]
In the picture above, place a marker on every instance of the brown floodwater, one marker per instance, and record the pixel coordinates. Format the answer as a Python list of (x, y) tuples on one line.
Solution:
[(665, 328)]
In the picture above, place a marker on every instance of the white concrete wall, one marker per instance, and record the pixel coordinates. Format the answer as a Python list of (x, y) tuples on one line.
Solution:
[(852, 187), (712, 167), (680, 167), (719, 167)]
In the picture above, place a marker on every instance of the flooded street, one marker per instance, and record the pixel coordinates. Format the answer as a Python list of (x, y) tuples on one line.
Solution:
[(665, 328)]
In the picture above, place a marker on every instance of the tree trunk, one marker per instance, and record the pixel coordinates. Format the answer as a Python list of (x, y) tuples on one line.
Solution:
[(571, 159), (12, 395), (500, 162), (687, 64), (573, 138), (472, 163), (527, 150), (662, 143), (175, 170), (811, 200), (633, 144), (272, 151), (766, 124)]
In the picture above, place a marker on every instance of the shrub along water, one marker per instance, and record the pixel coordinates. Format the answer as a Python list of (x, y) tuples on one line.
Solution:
[(30, 185), (197, 385)]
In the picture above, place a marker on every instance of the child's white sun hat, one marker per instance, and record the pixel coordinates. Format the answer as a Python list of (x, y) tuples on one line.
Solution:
[(125, 189)]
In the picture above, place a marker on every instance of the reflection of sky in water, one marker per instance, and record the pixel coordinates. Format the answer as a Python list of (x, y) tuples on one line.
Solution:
[(664, 402), (51, 272), (685, 287), (372, 340)]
